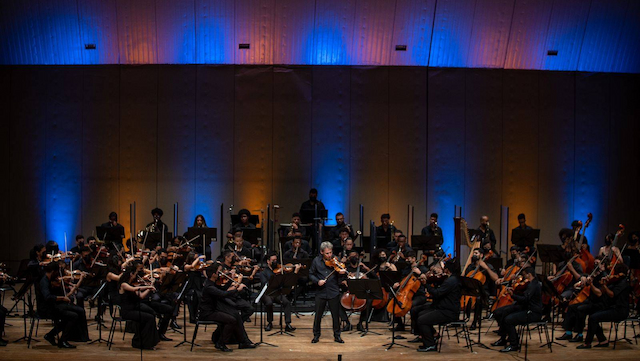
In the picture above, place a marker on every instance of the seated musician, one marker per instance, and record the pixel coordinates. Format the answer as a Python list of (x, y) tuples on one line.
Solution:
[(244, 223), (339, 243), (394, 241), (576, 314), (268, 300), (79, 244), (303, 243), (513, 256), (382, 260), (240, 298), (52, 247), (296, 252), (53, 303), (445, 307), (131, 292), (84, 264), (400, 250), (570, 264), (218, 302), (113, 221), (609, 249), (419, 302), (356, 269), (346, 249), (478, 265), (241, 251), (527, 308), (616, 289), (295, 226), (162, 302), (340, 224), (432, 229), (231, 245)]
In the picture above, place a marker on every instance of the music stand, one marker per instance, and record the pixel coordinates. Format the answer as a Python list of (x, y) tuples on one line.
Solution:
[(179, 299), (388, 279), (474, 288), (525, 237), (495, 262), (256, 301), (368, 289), (155, 238), (110, 234), (550, 253), (252, 235), (203, 236), (98, 295), (280, 285), (426, 243), (549, 289)]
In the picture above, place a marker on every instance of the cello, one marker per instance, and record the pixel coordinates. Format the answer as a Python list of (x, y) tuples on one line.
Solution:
[(586, 256), (504, 297), (477, 275), (408, 287)]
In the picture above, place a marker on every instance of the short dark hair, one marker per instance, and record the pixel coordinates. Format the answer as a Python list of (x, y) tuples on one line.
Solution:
[(79, 237), (157, 211), (529, 270), (215, 266), (434, 215), (410, 254), (85, 249), (339, 214), (398, 231), (402, 236), (113, 214), (575, 224), (313, 190), (92, 238), (244, 211), (343, 229), (565, 233), (296, 214), (270, 254), (385, 215), (521, 216)]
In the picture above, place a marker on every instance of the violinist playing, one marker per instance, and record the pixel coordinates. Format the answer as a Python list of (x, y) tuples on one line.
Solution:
[(132, 290), (240, 298), (527, 308), (84, 264), (616, 288), (325, 273), (576, 314), (53, 302), (267, 300), (218, 304), (445, 307), (345, 250), (609, 250)]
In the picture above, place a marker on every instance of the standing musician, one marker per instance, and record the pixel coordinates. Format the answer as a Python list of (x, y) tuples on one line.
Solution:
[(113, 221), (328, 291), (310, 205), (267, 300), (445, 307), (522, 222), (240, 298), (528, 308), (385, 229), (157, 226), (487, 235), (200, 222), (478, 265), (616, 288), (53, 302), (432, 229), (218, 302), (3, 314)]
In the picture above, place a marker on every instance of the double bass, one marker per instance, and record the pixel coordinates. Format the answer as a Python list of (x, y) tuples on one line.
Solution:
[(586, 256)]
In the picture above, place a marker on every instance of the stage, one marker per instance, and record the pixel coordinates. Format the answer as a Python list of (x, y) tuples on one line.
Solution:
[(298, 347)]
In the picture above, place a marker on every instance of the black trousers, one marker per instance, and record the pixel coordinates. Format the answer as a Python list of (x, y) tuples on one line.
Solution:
[(245, 308), (364, 314), (286, 305), (426, 321), (508, 317), (334, 308), (576, 316), (164, 312), (501, 314), (74, 323), (231, 326), (609, 315), (146, 335), (418, 305), (3, 316)]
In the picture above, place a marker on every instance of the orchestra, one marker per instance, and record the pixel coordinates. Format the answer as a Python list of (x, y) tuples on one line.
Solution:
[(147, 285)]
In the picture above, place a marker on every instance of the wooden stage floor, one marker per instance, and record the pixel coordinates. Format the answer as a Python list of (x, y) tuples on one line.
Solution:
[(296, 348)]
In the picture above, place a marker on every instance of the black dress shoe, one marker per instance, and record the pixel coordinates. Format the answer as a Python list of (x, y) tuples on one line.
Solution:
[(289, 328), (268, 327), (315, 339), (416, 340), (399, 328), (510, 348), (175, 325), (3, 342), (65, 344), (606, 344), (51, 339), (360, 327), (164, 338), (578, 338), (473, 327), (500, 342), (566, 336), (338, 339), (347, 327), (427, 348), (583, 346), (247, 345), (223, 348)]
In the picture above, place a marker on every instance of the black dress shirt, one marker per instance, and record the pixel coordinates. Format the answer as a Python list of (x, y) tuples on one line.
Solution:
[(320, 271)]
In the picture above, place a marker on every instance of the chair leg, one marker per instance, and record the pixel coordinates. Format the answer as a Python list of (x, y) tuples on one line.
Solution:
[(33, 321), (439, 342), (466, 331), (195, 332), (614, 324), (546, 335), (37, 326), (112, 331)]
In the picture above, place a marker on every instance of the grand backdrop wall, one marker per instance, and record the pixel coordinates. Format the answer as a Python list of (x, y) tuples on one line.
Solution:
[(83, 141)]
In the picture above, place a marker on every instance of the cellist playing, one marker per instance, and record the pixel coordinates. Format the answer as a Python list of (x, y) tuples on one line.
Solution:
[(479, 266)]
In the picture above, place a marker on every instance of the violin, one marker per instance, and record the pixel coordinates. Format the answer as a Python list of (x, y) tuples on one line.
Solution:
[(335, 264), (225, 279), (287, 268), (203, 264)]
